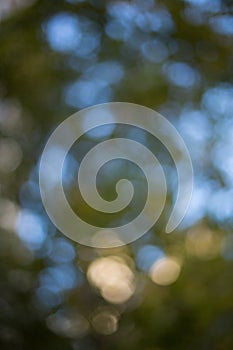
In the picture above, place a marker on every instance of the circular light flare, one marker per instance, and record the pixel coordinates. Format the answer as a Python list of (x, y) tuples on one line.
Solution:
[(165, 271), (113, 278), (117, 293), (105, 322)]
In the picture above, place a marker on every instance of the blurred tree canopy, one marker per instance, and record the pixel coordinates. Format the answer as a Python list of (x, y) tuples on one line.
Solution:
[(162, 291)]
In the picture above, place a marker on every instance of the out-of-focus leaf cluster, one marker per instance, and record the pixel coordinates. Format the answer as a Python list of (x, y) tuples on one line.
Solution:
[(161, 292)]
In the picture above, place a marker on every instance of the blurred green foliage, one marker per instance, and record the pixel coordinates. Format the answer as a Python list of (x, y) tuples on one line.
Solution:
[(57, 57)]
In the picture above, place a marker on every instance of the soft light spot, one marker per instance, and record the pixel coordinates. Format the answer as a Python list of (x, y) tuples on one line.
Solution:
[(87, 92), (9, 7), (222, 24), (8, 214), (10, 155), (113, 278), (154, 51), (105, 322), (220, 204), (10, 116), (165, 271), (117, 30), (31, 229), (147, 255), (117, 293), (110, 72), (123, 11), (68, 324), (155, 21), (60, 278), (181, 74), (203, 243), (219, 100), (62, 251), (63, 32)]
